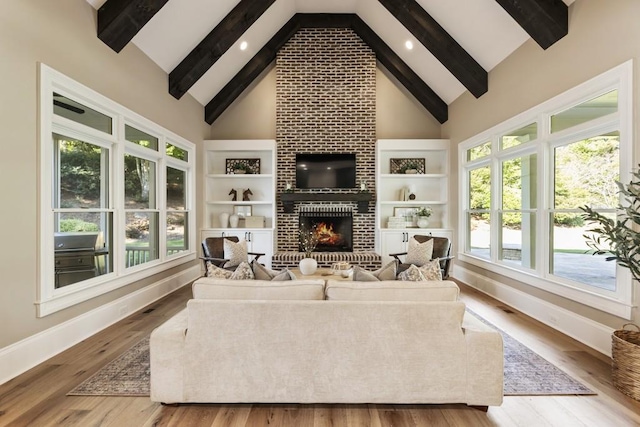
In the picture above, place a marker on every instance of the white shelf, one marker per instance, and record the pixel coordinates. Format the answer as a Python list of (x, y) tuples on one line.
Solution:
[(413, 202), (412, 176), (239, 176)]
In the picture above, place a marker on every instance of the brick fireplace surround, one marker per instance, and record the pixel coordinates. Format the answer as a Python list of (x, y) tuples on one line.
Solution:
[(326, 103)]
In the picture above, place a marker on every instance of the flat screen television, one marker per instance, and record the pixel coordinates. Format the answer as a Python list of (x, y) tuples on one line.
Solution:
[(326, 170)]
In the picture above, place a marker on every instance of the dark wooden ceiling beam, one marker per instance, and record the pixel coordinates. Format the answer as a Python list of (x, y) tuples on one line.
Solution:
[(215, 44), (440, 44), (392, 62), (401, 71), (546, 21), (250, 72), (120, 20)]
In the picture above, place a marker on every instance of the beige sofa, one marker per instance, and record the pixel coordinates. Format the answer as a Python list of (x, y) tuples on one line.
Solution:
[(254, 341)]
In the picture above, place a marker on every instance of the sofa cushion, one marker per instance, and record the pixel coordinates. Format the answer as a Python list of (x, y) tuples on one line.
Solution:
[(387, 272), (242, 272), (392, 290), (419, 253), (260, 272), (211, 288), (217, 272)]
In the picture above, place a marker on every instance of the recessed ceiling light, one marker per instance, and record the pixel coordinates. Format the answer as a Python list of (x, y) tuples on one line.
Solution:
[(408, 44), (243, 46)]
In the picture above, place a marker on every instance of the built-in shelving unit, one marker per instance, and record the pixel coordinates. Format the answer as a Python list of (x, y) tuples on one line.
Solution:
[(219, 181), (429, 185)]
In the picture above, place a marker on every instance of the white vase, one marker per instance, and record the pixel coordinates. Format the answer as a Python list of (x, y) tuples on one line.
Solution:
[(423, 221), (224, 220), (308, 266), (233, 221)]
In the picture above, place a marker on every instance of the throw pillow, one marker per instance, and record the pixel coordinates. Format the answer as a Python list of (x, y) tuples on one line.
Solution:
[(411, 274), (217, 272), (387, 272), (261, 272), (235, 252), (242, 272), (431, 270), (418, 253), (362, 275)]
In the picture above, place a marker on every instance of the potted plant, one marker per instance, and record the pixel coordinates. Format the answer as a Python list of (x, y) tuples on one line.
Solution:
[(423, 213), (620, 239), (410, 168), (308, 242)]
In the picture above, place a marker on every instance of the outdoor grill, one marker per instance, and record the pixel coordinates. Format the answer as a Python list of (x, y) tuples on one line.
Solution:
[(75, 257)]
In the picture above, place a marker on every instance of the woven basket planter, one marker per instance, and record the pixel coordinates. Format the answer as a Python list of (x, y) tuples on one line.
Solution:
[(625, 354)]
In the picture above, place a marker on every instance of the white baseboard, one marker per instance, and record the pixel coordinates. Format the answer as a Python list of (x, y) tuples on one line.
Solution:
[(587, 331), (24, 355)]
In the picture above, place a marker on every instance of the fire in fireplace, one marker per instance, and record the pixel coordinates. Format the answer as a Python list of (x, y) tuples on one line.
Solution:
[(333, 228)]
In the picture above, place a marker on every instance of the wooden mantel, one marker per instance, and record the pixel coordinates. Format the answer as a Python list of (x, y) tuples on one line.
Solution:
[(362, 198)]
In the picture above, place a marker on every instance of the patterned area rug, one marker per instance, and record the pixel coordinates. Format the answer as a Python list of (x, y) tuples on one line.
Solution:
[(525, 374)]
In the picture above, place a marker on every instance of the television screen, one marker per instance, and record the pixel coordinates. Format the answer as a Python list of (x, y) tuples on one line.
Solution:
[(326, 170)]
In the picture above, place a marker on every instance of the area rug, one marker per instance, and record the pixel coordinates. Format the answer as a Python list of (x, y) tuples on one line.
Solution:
[(525, 374)]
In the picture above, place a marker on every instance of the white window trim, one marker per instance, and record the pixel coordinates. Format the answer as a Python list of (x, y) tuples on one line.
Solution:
[(619, 303), (50, 300)]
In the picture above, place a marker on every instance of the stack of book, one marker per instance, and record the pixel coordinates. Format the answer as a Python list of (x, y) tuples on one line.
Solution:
[(396, 222)]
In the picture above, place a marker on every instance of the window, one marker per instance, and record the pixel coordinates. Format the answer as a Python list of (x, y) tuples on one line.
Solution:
[(103, 165), (524, 189)]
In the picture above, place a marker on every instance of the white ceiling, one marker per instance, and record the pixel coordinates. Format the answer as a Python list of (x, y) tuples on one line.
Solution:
[(481, 27)]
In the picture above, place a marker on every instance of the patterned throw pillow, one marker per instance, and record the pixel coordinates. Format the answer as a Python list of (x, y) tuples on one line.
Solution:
[(235, 252), (217, 272), (419, 253), (431, 270), (243, 272), (411, 274)]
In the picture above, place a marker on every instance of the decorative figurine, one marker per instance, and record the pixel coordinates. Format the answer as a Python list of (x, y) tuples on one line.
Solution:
[(245, 195), (233, 193)]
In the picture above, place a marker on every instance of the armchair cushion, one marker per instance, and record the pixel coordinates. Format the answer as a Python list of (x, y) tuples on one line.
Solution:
[(235, 252), (419, 253)]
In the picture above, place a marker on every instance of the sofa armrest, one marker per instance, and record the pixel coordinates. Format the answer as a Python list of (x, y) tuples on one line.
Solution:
[(485, 360), (166, 348)]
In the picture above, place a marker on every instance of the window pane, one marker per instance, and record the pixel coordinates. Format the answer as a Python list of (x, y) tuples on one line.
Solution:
[(519, 179), (176, 236), (176, 195), (479, 151), (177, 152), (141, 234), (586, 173), (79, 113), (81, 174), (139, 183), (570, 259), (480, 188), (478, 240), (592, 109), (136, 136), (82, 243), (518, 239), (519, 136)]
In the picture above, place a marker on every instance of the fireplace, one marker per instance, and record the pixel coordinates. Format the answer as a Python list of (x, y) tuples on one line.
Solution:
[(333, 228)]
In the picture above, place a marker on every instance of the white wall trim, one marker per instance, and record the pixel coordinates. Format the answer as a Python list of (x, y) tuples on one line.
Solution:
[(587, 331), (29, 352)]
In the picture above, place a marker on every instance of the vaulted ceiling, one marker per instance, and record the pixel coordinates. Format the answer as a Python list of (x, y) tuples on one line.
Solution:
[(214, 49)]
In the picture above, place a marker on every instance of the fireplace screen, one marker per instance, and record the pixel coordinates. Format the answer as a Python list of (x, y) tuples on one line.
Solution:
[(334, 230)]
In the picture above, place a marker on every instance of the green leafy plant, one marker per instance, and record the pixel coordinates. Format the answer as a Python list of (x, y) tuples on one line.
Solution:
[(424, 211), (408, 166), (241, 167), (618, 237)]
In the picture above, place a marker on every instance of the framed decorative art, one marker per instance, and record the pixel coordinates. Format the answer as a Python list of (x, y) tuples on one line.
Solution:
[(242, 166), (407, 166), (408, 213), (242, 211)]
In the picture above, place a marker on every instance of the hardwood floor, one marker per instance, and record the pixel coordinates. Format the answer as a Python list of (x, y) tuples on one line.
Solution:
[(38, 397)]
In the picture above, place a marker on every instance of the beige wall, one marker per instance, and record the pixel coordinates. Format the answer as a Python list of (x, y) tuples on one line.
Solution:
[(253, 114), (61, 34), (601, 36)]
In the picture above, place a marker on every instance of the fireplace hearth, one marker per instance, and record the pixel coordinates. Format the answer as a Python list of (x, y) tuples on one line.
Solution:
[(332, 226)]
